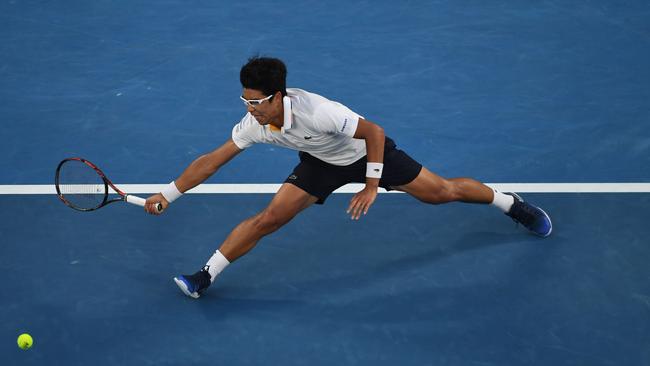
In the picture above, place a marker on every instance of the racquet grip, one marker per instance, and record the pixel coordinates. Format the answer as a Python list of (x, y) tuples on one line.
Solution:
[(139, 201)]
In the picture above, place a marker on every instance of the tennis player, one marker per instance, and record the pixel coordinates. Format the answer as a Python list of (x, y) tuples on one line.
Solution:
[(336, 146)]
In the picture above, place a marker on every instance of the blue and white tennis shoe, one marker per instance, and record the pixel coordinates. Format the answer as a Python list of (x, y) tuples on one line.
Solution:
[(193, 285), (532, 217)]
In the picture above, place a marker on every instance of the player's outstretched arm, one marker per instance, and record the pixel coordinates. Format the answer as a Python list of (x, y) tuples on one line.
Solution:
[(196, 173)]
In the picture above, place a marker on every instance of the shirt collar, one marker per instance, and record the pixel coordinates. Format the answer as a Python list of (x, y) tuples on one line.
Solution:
[(288, 117)]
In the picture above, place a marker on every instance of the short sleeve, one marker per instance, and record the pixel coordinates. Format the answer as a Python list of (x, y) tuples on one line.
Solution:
[(333, 117), (244, 133)]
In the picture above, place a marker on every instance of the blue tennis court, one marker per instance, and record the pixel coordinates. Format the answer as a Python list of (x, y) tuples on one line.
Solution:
[(504, 92)]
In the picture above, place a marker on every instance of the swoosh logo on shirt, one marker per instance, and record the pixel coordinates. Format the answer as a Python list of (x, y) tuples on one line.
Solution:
[(307, 137)]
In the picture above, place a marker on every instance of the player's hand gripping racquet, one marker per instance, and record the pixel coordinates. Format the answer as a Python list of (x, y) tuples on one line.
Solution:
[(81, 185)]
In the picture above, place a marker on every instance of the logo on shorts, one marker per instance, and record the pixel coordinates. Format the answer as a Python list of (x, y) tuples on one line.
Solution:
[(307, 137), (293, 177)]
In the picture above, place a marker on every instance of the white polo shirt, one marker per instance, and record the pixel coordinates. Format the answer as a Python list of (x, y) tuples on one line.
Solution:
[(313, 124)]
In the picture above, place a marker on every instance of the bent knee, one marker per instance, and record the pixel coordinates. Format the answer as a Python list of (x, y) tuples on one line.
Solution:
[(269, 221)]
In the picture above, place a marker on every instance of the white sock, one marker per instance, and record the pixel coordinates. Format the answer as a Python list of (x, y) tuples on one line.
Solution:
[(503, 201), (216, 264)]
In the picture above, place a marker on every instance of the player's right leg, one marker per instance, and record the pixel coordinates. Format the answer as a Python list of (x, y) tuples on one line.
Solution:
[(286, 204)]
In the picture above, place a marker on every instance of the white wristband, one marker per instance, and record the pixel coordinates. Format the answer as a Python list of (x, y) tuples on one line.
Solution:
[(374, 170), (171, 193)]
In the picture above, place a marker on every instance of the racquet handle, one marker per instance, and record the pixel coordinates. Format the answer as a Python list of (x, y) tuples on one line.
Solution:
[(135, 200)]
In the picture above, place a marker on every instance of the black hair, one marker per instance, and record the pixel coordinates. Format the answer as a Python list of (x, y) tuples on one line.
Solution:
[(266, 74)]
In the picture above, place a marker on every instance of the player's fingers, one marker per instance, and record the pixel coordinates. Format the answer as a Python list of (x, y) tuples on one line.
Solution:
[(352, 209), (151, 208), (353, 203), (360, 205), (358, 209), (365, 205), (365, 210)]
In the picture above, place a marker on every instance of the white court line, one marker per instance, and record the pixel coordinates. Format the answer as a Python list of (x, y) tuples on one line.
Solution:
[(350, 188)]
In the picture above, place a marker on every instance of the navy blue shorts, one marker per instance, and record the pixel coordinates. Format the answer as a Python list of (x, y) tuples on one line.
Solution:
[(320, 179)]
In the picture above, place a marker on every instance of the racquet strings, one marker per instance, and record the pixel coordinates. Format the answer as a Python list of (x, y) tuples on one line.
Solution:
[(81, 186)]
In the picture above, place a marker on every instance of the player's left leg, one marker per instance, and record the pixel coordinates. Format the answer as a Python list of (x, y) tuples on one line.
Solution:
[(434, 189), (431, 188)]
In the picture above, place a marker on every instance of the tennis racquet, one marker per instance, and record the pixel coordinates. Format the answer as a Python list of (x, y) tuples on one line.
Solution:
[(82, 186)]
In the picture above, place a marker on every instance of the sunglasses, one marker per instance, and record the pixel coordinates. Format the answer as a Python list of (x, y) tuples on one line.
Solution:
[(254, 102)]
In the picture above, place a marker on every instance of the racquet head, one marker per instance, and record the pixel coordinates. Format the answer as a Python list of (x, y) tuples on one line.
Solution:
[(81, 185)]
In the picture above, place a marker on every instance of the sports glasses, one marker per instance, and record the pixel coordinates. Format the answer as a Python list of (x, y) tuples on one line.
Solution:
[(254, 102)]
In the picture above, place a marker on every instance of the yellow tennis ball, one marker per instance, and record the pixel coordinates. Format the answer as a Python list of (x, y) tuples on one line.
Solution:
[(25, 341)]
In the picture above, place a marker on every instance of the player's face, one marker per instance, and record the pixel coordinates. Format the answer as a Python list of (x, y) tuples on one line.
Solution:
[(263, 108)]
